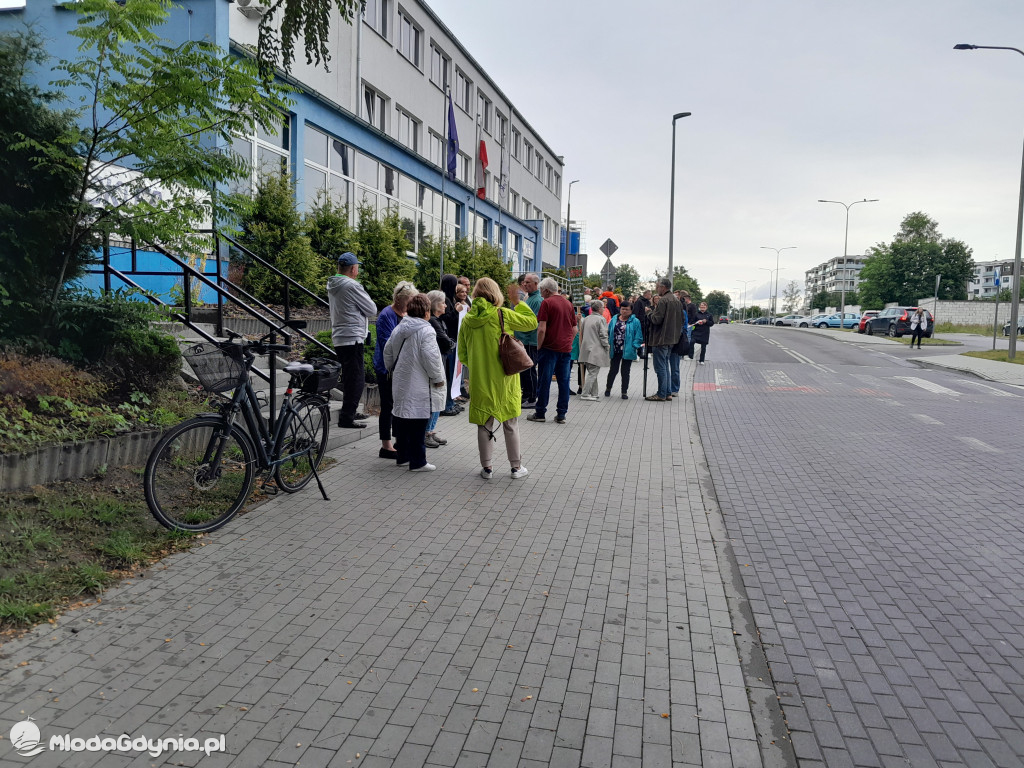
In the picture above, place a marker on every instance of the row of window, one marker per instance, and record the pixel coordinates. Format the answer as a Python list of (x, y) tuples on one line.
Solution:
[(410, 45)]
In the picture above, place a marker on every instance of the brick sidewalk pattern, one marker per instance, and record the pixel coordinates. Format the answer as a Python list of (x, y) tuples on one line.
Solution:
[(577, 617)]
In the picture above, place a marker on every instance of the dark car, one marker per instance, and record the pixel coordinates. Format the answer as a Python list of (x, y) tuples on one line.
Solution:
[(1020, 327), (760, 321), (723, 319), (895, 322)]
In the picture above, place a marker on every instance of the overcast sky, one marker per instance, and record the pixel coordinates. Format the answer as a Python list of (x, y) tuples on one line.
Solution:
[(792, 101)]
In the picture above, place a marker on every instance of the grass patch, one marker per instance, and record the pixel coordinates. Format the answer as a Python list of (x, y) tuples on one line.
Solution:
[(983, 330), (932, 342), (69, 540), (996, 354)]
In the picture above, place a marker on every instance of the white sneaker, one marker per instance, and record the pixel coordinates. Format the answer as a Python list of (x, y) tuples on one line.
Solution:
[(523, 471), (425, 468), (486, 473), (587, 397)]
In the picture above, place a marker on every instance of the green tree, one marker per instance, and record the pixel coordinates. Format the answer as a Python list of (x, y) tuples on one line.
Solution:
[(273, 230), (791, 296), (627, 280), (683, 281), (904, 270), (718, 303), (382, 248), (152, 113), (309, 20), (823, 299), (459, 260), (593, 280), (330, 234)]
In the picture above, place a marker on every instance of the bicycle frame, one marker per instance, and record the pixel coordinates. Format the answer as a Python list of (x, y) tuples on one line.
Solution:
[(244, 400)]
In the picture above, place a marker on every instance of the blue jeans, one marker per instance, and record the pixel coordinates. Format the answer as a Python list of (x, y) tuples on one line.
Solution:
[(558, 364), (673, 366), (662, 368), (432, 424)]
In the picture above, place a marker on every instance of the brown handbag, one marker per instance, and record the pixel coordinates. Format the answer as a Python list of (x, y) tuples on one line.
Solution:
[(513, 355)]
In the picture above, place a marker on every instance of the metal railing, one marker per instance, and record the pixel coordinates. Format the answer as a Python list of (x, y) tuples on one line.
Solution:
[(227, 292)]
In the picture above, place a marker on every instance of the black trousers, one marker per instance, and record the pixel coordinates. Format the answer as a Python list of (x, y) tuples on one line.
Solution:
[(409, 435), (703, 346), (617, 361), (916, 333), (353, 379), (387, 403), (528, 378)]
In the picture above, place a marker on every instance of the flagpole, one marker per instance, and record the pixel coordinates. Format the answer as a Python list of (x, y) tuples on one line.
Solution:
[(501, 179), (446, 94), (477, 166)]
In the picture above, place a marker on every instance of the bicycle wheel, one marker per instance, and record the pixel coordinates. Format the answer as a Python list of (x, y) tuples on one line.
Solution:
[(306, 430), (195, 481)]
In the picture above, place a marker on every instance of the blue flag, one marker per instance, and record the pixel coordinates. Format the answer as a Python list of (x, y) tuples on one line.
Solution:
[(453, 141)]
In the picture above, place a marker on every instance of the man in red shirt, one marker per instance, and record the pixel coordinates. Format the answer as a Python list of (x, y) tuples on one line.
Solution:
[(556, 328)]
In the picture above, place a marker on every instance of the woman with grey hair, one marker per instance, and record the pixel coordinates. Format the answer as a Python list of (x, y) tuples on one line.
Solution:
[(445, 344), (387, 320), (593, 348)]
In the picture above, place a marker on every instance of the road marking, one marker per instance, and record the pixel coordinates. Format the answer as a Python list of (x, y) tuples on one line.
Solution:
[(977, 444), (722, 380), (871, 392), (777, 379), (994, 390), (931, 386), (924, 418)]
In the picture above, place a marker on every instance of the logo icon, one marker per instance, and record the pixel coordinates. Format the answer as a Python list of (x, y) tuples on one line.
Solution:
[(25, 738)]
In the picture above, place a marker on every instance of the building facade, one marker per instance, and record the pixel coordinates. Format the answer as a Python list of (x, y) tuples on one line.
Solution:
[(370, 128), (834, 275), (982, 284)]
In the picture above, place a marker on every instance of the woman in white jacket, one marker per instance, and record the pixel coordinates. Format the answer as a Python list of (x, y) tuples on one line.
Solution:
[(593, 348), (918, 326), (417, 381)]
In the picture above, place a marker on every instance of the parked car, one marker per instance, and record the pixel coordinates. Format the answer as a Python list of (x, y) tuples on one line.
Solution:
[(812, 321), (862, 325), (789, 320), (895, 322), (850, 320), (723, 319), (759, 321), (1020, 327)]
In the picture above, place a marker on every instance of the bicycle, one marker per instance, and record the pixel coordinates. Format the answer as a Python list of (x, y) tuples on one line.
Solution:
[(202, 471)]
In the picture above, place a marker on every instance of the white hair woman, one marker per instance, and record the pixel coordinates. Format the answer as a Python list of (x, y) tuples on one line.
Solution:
[(494, 397), (445, 345), (593, 348), (387, 320)]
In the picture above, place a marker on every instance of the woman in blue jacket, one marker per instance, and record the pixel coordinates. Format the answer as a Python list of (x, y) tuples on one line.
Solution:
[(625, 338)]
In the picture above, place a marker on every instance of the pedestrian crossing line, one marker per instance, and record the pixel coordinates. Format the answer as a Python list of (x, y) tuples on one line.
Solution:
[(931, 386), (722, 380), (924, 418), (871, 392), (994, 390), (808, 390), (777, 379), (976, 444)]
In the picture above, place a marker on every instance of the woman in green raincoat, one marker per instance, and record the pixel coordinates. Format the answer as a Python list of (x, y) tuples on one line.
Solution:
[(494, 398)]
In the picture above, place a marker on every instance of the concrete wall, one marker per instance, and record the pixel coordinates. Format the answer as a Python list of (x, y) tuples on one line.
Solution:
[(967, 312)]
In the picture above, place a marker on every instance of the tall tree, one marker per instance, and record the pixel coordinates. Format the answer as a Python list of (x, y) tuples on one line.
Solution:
[(151, 111), (905, 270), (627, 280), (382, 247), (791, 296), (718, 303), (286, 21), (683, 281)]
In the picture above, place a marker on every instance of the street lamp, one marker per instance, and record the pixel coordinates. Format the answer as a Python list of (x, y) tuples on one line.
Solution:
[(846, 238), (743, 315), (568, 223), (776, 299), (672, 197), (770, 273), (1015, 298)]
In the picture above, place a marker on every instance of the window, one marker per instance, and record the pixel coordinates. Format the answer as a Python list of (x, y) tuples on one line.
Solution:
[(463, 88), (558, 185), (376, 108), (463, 168), (513, 204), (500, 128), (527, 208), (378, 16), (483, 110), (437, 155), (550, 178), (408, 130), (440, 68), (540, 161), (267, 152), (529, 157), (409, 36), (517, 140), (328, 168)]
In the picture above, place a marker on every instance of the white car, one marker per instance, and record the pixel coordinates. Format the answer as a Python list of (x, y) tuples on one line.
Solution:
[(789, 320), (811, 322)]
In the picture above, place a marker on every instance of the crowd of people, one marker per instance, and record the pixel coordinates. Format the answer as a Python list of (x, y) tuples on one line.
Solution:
[(436, 352)]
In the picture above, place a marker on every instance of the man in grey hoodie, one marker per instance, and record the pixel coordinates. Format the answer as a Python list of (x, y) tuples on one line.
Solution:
[(351, 310)]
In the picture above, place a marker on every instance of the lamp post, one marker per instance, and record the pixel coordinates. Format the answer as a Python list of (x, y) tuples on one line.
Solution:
[(846, 238), (1015, 289), (770, 273), (672, 197), (568, 223), (776, 299), (743, 315)]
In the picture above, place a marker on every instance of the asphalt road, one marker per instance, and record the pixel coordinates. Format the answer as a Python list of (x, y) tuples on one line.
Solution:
[(874, 510)]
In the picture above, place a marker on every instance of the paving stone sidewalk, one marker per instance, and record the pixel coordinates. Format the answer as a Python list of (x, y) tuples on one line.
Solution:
[(580, 616)]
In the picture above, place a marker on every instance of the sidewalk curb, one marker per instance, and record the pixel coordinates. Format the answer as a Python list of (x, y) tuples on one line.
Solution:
[(923, 362), (769, 721)]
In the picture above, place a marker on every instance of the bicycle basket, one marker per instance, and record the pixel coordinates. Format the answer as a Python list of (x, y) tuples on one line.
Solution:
[(218, 367), (324, 377)]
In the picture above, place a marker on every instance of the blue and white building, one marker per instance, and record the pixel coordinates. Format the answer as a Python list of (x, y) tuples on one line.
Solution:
[(369, 128)]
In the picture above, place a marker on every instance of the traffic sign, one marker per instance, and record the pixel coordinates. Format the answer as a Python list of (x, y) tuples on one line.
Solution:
[(608, 272), (609, 247)]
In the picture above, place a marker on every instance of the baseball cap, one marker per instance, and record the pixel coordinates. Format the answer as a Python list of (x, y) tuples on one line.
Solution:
[(347, 259)]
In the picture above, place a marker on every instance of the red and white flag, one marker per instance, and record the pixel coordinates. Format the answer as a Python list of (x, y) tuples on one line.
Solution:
[(481, 177)]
